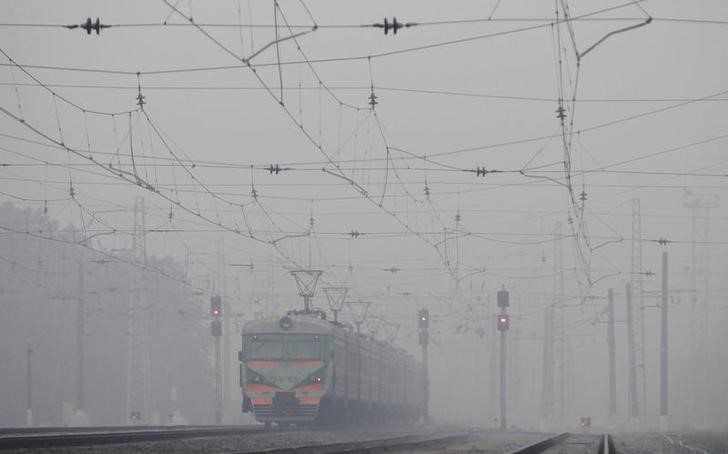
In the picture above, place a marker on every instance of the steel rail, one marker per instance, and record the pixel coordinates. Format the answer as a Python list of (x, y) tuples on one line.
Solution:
[(79, 429), (114, 436), (606, 445), (542, 445), (377, 445)]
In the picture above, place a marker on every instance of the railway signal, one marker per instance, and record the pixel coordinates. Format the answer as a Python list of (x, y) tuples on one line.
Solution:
[(424, 318), (503, 298), (216, 331), (504, 322), (216, 306)]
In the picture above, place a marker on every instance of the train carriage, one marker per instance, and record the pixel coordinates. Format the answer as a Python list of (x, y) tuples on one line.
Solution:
[(301, 368)]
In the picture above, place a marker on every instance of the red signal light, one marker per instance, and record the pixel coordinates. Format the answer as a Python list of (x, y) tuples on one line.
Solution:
[(504, 323)]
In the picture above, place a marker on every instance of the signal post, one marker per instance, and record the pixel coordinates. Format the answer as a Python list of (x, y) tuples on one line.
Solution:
[(424, 323), (216, 331), (504, 324)]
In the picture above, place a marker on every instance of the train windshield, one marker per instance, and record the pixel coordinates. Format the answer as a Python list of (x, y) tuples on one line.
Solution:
[(283, 346), (304, 348), (266, 348)]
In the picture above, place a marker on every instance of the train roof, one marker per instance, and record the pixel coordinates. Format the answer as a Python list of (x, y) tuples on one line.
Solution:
[(299, 324), (312, 323)]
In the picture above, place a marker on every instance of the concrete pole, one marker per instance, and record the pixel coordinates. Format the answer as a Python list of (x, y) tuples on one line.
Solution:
[(503, 379), (632, 371), (547, 377), (80, 309), (28, 386), (218, 381), (426, 371), (663, 348), (611, 345)]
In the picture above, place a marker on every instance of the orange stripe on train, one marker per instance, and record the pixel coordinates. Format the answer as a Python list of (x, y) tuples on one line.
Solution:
[(307, 362), (311, 388), (258, 388)]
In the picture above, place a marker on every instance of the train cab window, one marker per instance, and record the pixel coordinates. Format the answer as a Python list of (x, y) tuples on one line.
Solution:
[(266, 348), (304, 347)]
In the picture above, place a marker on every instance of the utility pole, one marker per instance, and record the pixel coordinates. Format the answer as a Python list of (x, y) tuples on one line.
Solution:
[(492, 366), (503, 327), (611, 345), (28, 385), (227, 358), (638, 309), (699, 277), (424, 324), (514, 369), (633, 406), (80, 316), (547, 378), (663, 348), (558, 327), (138, 382)]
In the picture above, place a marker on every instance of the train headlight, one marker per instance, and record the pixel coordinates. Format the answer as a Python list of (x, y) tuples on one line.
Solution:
[(254, 377), (285, 323)]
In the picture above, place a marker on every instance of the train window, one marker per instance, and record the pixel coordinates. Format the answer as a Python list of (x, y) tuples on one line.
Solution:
[(304, 349), (266, 349)]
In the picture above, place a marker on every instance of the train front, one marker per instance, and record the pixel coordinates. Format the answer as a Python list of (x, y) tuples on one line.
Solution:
[(284, 368)]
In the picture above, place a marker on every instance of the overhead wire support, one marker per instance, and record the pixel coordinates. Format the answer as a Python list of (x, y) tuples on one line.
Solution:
[(140, 98), (482, 171), (612, 33), (394, 25), (89, 26), (276, 169)]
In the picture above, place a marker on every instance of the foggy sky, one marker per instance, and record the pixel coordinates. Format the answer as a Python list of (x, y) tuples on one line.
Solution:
[(645, 119)]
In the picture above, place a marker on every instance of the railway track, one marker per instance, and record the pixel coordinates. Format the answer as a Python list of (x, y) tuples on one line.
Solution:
[(81, 429), (437, 440), (87, 436), (542, 445), (605, 445), (409, 442)]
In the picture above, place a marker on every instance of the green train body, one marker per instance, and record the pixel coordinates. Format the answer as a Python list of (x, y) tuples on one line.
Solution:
[(301, 368)]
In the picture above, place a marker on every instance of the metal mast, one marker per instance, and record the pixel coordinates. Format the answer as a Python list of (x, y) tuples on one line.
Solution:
[(638, 309), (699, 283), (138, 383), (80, 356), (663, 347), (225, 369), (558, 329), (547, 379), (633, 407), (28, 385), (612, 348)]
